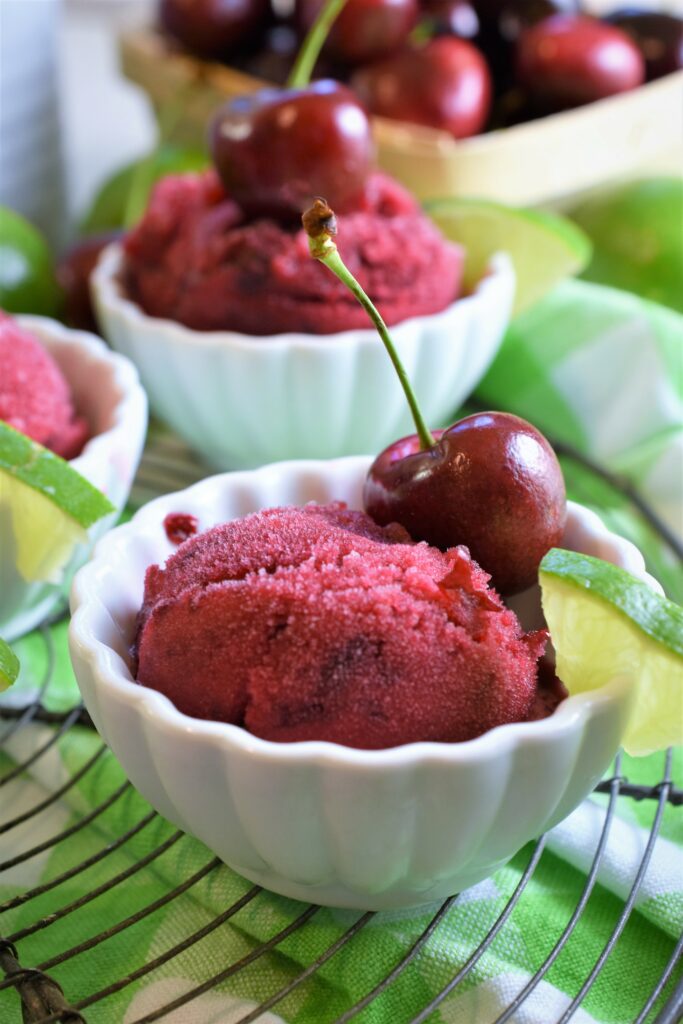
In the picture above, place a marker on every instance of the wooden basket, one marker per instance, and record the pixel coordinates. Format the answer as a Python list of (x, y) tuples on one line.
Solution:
[(538, 163)]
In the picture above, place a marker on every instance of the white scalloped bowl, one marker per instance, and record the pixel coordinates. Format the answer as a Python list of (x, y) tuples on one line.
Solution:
[(319, 821), (107, 391), (242, 401)]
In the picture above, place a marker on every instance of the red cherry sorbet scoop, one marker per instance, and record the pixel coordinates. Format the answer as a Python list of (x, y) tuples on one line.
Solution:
[(491, 482)]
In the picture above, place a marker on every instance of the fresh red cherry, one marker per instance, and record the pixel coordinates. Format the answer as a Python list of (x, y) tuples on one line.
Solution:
[(491, 482), (659, 37), (278, 148), (73, 274), (566, 60), (365, 30), (214, 28), (444, 84)]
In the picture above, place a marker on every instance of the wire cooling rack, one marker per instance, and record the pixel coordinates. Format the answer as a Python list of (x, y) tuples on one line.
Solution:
[(40, 999)]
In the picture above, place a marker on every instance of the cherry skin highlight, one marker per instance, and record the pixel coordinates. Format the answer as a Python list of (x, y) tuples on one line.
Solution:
[(444, 84), (490, 482), (365, 30), (566, 61), (214, 28), (276, 149)]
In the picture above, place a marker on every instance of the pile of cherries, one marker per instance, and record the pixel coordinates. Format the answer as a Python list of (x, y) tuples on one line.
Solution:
[(458, 65)]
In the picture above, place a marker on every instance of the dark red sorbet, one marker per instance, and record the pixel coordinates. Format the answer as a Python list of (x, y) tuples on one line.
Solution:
[(315, 623), (197, 259)]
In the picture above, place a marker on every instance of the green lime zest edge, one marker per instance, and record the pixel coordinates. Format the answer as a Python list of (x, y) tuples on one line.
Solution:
[(574, 237), (9, 665), (660, 619), (39, 468)]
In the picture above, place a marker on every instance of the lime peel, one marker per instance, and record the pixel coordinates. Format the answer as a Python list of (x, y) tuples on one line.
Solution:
[(27, 461), (9, 665), (50, 505), (606, 623)]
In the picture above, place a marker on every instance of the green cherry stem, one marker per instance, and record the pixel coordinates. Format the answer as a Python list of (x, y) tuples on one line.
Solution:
[(300, 75), (320, 225)]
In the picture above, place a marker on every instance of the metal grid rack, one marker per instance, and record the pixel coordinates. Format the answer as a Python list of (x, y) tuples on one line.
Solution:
[(37, 986)]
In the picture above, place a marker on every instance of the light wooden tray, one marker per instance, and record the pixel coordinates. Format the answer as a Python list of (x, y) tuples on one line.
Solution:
[(541, 162)]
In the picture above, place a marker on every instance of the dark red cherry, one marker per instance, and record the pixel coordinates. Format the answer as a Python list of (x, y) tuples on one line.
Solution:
[(73, 274), (214, 28), (444, 84), (491, 482), (659, 37), (567, 60), (278, 148), (365, 29)]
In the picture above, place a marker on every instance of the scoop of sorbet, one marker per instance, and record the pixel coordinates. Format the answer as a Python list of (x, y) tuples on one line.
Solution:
[(35, 397), (196, 258), (316, 624)]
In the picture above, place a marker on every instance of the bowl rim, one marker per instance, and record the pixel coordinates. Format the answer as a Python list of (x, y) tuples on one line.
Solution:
[(110, 671), (131, 403), (109, 294)]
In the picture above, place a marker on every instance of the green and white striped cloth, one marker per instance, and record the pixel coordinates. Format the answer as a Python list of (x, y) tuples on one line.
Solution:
[(601, 371)]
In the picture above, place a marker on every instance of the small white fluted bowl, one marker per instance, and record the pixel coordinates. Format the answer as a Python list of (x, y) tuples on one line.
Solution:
[(107, 391), (318, 821), (242, 401)]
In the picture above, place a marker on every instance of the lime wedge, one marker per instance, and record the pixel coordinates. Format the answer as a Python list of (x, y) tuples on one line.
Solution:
[(605, 623), (9, 665), (544, 247), (51, 505)]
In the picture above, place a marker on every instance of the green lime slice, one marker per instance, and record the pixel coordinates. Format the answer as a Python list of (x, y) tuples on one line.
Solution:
[(604, 623), (637, 235), (9, 665), (50, 503), (27, 281), (544, 247)]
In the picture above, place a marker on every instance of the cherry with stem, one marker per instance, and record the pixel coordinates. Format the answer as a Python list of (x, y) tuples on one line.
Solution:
[(276, 149), (490, 482)]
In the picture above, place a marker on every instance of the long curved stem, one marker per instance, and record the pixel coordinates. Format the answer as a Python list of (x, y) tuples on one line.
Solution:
[(300, 74), (320, 229)]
